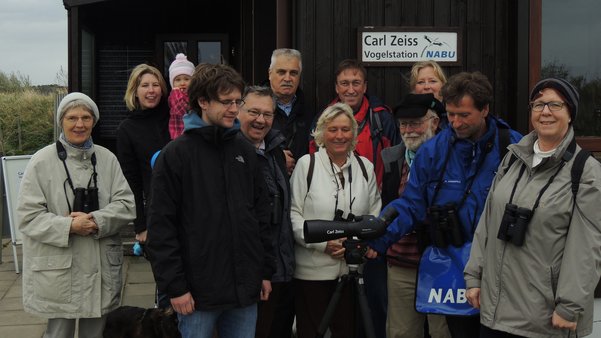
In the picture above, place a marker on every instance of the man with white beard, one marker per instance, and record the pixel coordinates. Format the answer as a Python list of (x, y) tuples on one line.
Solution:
[(417, 120)]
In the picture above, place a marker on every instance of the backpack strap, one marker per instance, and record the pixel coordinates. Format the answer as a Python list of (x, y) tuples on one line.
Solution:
[(362, 165), (310, 171), (503, 135), (376, 129), (577, 169), (376, 126), (576, 174)]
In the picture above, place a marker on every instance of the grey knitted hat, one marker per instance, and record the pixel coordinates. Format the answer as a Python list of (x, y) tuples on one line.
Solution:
[(60, 111), (565, 88)]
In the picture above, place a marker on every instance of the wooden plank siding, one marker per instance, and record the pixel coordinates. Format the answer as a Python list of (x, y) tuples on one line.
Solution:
[(325, 31), (114, 66)]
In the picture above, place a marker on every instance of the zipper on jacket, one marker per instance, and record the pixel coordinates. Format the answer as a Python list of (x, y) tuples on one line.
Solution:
[(494, 317)]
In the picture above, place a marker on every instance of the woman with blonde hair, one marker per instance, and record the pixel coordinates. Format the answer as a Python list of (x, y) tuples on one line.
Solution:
[(144, 132), (428, 77), (342, 184)]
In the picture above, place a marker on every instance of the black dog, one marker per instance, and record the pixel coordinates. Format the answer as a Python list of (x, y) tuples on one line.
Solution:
[(136, 322)]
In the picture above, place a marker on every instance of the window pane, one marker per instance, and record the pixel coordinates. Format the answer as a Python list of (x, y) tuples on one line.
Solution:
[(171, 50), (209, 52), (570, 49)]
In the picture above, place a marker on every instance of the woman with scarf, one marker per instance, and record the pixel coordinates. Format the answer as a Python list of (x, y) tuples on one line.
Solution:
[(73, 203)]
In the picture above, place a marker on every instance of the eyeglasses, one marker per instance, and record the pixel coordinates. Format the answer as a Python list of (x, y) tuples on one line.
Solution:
[(256, 114), (413, 124), (346, 84), (539, 106), (229, 103), (74, 119)]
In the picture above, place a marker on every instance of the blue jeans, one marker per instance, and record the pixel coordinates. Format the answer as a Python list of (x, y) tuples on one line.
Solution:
[(232, 323)]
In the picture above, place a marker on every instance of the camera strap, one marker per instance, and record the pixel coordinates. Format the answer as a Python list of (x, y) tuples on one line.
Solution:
[(62, 155), (340, 175), (567, 156), (487, 148)]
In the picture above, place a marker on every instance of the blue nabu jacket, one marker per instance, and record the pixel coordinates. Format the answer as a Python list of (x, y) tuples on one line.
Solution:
[(467, 161)]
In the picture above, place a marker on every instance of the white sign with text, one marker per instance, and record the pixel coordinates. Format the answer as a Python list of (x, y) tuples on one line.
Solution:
[(408, 47)]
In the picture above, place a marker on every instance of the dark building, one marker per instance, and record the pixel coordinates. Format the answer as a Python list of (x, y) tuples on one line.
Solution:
[(513, 42)]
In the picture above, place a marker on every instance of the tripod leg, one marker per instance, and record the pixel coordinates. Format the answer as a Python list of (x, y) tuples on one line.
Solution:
[(364, 308), (327, 316)]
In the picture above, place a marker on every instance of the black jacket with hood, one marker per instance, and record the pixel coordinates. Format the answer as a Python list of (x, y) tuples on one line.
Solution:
[(209, 218)]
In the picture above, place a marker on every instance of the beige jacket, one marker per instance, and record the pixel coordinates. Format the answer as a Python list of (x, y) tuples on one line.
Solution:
[(559, 264), (67, 275)]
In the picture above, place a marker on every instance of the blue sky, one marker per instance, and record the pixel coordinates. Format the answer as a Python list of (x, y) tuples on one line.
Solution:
[(33, 39)]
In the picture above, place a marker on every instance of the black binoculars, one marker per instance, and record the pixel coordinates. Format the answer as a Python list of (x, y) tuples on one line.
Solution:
[(85, 200), (338, 216), (445, 227), (514, 224)]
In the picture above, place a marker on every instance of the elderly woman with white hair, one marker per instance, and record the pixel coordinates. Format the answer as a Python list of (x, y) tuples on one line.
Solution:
[(331, 184), (73, 202)]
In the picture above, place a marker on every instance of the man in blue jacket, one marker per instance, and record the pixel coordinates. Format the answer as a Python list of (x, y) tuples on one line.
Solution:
[(451, 175)]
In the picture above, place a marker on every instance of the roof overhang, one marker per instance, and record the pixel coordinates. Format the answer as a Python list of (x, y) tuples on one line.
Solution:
[(72, 3)]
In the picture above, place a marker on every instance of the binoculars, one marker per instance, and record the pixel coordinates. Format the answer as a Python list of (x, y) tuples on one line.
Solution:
[(338, 216), (85, 200), (514, 224), (445, 227)]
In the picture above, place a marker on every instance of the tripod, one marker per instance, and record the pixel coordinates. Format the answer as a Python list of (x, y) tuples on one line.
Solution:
[(354, 251)]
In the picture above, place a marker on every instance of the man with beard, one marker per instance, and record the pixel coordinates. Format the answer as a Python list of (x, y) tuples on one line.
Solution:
[(418, 120)]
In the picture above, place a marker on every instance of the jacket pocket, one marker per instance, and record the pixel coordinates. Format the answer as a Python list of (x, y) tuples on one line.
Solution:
[(51, 277), (115, 259)]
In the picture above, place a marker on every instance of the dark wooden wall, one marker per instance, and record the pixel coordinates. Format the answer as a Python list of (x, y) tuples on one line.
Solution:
[(494, 37), (125, 35), (325, 31)]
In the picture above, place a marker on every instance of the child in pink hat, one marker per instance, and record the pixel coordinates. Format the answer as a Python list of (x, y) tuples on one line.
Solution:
[(180, 74)]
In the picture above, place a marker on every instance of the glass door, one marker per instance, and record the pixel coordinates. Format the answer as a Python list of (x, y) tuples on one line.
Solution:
[(570, 49), (199, 48)]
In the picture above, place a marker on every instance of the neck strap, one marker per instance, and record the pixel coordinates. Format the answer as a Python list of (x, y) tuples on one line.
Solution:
[(62, 155)]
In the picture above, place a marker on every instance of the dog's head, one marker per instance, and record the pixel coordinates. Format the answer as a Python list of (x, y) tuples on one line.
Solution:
[(164, 323)]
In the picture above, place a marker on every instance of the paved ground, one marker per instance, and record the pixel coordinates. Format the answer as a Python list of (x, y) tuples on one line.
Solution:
[(138, 290)]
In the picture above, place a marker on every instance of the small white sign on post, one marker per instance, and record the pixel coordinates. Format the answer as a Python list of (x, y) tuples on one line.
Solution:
[(398, 46), (13, 169)]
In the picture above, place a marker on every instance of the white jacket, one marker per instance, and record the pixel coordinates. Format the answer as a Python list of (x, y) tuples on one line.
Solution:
[(312, 263)]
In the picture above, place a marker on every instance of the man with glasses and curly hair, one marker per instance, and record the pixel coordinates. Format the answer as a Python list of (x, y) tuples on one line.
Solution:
[(210, 240)]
